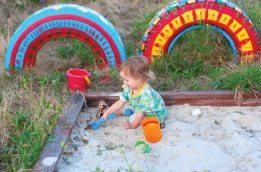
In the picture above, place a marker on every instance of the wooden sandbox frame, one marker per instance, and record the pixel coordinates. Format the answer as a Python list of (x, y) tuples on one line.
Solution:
[(62, 131)]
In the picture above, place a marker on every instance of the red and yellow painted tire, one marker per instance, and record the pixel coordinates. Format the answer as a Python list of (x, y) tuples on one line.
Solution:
[(184, 15)]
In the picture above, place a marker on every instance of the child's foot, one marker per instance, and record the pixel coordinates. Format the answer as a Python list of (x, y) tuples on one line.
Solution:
[(127, 125)]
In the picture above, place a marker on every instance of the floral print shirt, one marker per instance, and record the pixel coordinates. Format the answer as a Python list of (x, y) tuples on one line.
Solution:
[(146, 101)]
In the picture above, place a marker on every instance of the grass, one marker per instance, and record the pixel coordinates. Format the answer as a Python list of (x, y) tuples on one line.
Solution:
[(30, 107), (181, 74), (246, 79), (80, 50)]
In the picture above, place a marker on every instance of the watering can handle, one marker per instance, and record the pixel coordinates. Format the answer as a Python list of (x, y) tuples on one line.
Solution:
[(88, 80)]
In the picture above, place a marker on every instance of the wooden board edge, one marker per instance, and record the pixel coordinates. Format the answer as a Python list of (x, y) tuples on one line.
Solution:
[(54, 147), (199, 98)]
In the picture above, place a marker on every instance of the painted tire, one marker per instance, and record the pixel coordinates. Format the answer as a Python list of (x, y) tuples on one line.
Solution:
[(64, 20), (182, 16)]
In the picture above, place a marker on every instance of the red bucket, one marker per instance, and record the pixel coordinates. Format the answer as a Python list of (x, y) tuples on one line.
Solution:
[(78, 79)]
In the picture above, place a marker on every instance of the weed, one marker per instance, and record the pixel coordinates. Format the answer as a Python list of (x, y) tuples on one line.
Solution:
[(140, 25), (65, 52), (177, 66), (246, 78), (203, 44), (31, 115), (80, 50), (215, 73), (57, 80), (25, 81), (98, 169), (131, 48), (3, 31), (195, 85), (163, 84), (43, 81), (34, 1), (84, 53)]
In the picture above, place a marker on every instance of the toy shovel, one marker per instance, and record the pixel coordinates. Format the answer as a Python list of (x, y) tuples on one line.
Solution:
[(97, 124)]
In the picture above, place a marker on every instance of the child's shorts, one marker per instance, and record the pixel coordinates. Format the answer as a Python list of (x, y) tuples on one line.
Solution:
[(127, 111)]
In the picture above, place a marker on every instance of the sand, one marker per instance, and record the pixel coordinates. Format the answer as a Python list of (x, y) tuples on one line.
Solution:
[(217, 139)]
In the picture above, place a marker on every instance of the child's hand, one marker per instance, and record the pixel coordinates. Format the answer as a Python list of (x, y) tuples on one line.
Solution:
[(127, 125), (105, 115)]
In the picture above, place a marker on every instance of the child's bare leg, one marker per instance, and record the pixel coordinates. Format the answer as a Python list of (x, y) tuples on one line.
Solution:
[(118, 113), (137, 121)]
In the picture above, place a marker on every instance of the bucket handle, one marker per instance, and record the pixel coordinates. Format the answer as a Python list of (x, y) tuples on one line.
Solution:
[(87, 79)]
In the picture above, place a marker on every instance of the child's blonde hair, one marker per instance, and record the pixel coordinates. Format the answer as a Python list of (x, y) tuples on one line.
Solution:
[(137, 67)]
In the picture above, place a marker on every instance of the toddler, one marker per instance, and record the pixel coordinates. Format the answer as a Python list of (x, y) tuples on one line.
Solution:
[(140, 98)]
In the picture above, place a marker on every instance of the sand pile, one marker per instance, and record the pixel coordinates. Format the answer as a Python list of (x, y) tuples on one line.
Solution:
[(218, 139)]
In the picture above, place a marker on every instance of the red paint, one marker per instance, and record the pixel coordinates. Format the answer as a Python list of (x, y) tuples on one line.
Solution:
[(63, 17)]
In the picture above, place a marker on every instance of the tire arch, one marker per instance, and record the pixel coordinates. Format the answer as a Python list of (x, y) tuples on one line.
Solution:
[(64, 20), (181, 16)]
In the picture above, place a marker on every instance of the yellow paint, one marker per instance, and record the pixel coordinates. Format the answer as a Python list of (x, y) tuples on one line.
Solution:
[(160, 40), (176, 22), (247, 47), (156, 51), (188, 16), (242, 35), (224, 19), (167, 31), (235, 26), (212, 15), (201, 14), (142, 46)]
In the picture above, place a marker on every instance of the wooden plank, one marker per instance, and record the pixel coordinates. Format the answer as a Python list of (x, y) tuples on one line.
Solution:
[(215, 102), (54, 147), (199, 98)]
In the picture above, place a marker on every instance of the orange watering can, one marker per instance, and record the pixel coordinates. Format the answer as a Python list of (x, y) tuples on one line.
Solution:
[(151, 128)]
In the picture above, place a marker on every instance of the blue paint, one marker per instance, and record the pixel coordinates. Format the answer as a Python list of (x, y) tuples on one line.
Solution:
[(64, 9)]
